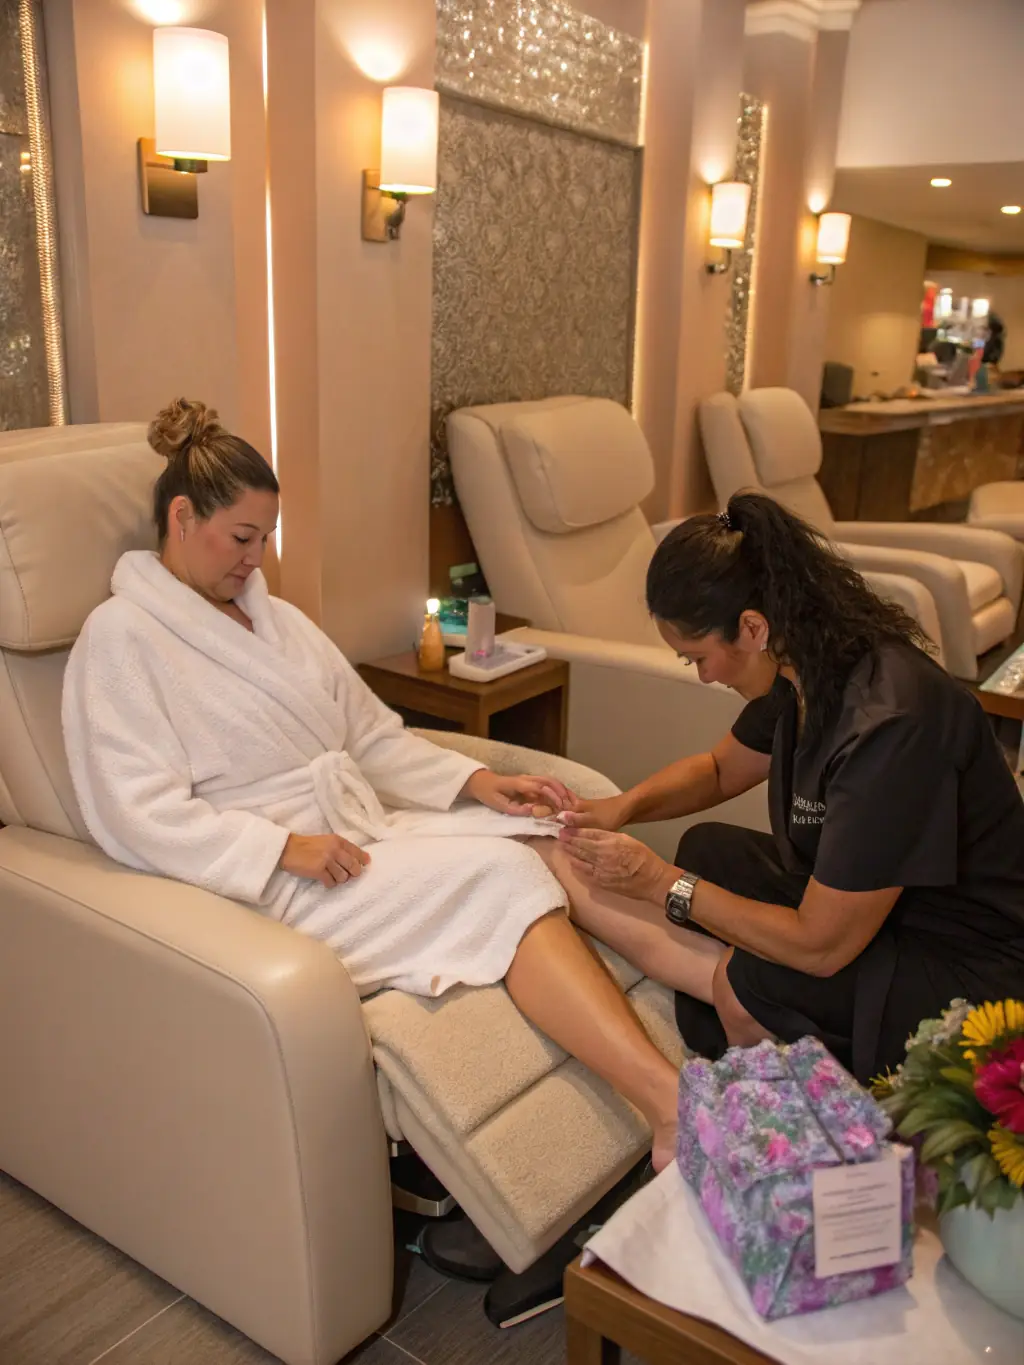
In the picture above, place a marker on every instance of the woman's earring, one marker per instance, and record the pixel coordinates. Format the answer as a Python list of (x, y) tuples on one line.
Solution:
[(764, 643), (183, 542)]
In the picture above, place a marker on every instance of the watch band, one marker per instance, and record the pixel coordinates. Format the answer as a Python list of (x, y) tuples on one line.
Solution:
[(679, 901)]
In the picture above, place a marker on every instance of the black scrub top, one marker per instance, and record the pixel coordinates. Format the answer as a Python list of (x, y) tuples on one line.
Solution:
[(905, 786)]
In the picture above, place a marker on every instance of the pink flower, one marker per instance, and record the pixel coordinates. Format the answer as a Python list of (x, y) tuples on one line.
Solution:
[(859, 1137), (821, 1081), (999, 1085), (778, 1147)]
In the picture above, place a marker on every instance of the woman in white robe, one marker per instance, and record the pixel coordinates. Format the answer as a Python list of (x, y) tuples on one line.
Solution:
[(216, 736)]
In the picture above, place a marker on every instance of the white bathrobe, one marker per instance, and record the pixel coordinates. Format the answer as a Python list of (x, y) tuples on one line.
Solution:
[(196, 747)]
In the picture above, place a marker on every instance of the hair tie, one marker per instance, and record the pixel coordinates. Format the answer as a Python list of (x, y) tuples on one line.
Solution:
[(726, 520)]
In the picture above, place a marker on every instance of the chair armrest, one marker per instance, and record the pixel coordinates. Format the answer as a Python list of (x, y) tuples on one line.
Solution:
[(657, 660), (633, 709), (944, 580), (193, 1082), (915, 599), (1001, 552), (516, 758), (660, 529)]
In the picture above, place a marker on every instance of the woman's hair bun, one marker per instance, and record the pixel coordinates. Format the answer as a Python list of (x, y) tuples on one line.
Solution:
[(181, 425)]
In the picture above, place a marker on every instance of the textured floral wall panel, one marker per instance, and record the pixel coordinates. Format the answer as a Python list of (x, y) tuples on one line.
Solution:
[(534, 264), (545, 59), (535, 226), (750, 136), (31, 362)]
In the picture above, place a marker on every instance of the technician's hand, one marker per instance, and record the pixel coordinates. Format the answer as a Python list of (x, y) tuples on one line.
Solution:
[(617, 862), (325, 858), (537, 796), (607, 812)]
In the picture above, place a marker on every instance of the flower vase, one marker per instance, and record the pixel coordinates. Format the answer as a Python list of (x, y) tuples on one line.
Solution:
[(989, 1252)]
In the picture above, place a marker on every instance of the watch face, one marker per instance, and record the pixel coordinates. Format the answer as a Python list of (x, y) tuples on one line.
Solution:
[(677, 902)]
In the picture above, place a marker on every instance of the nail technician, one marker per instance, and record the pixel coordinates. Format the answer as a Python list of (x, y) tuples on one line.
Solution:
[(893, 878)]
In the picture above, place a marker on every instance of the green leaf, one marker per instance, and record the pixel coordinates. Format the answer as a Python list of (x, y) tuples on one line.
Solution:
[(956, 1196), (1000, 1195), (961, 1076), (949, 1137), (973, 1169)]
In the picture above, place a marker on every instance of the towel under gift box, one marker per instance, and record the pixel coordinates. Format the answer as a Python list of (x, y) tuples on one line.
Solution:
[(753, 1127)]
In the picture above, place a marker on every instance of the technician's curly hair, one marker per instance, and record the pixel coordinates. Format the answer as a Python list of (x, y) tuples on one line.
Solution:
[(757, 556)]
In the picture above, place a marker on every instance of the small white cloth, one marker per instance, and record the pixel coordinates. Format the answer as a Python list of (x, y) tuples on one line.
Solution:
[(661, 1244)]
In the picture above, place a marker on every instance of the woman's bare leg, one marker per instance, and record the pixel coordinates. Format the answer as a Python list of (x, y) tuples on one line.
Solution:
[(559, 984), (741, 1028), (678, 958)]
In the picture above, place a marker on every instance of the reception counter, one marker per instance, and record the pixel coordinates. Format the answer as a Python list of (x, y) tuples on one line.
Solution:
[(919, 459)]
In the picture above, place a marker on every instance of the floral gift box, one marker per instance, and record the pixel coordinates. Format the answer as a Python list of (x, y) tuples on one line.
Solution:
[(753, 1128)]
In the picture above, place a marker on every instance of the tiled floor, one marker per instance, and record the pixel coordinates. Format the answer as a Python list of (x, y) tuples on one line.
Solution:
[(68, 1298)]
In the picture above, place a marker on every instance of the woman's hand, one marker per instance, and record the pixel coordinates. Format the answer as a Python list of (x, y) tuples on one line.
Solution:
[(607, 812), (325, 858), (620, 863), (536, 796)]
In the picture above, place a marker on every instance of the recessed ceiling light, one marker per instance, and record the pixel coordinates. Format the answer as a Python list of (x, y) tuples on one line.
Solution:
[(1010, 208), (941, 183)]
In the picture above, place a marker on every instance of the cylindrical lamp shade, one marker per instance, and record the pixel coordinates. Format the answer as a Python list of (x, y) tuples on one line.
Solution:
[(408, 140), (192, 94), (730, 203), (833, 238)]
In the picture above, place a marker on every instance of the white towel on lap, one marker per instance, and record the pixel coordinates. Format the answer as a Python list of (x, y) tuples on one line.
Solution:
[(196, 747)]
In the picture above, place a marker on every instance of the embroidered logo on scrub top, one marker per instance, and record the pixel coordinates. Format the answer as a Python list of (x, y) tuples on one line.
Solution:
[(806, 812)]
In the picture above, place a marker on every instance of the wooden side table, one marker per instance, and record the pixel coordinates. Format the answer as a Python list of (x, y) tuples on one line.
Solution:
[(603, 1315), (527, 707)]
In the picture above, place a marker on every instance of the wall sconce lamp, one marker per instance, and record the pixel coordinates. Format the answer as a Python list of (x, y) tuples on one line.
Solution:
[(833, 240), (730, 204), (408, 160), (192, 104)]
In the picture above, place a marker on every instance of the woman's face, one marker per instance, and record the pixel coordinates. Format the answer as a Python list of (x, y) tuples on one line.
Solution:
[(745, 665), (216, 556)]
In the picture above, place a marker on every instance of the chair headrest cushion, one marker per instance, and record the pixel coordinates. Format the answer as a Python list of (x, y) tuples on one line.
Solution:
[(783, 435), (578, 464), (72, 501)]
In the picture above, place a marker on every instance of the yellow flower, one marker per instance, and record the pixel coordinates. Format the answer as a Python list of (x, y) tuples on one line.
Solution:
[(1008, 1151), (989, 1022)]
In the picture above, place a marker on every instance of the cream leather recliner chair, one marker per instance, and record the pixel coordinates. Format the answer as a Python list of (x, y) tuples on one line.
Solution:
[(551, 494), (195, 1082), (768, 439)]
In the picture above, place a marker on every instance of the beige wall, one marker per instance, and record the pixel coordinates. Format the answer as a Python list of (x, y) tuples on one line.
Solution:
[(628, 15), (800, 79), (694, 74), (875, 315), (374, 305), (907, 56), (155, 306), (1005, 294)]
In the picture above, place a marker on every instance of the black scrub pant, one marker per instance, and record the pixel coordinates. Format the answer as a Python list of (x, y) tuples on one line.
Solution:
[(925, 977), (788, 1003)]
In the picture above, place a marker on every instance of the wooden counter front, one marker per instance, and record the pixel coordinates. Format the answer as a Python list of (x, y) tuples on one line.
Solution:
[(919, 459)]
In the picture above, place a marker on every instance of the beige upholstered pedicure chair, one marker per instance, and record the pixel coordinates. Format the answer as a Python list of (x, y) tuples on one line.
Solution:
[(551, 492), (197, 1083), (768, 439)]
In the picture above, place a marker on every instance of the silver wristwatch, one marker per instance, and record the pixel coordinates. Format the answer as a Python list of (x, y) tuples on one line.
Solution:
[(679, 900)]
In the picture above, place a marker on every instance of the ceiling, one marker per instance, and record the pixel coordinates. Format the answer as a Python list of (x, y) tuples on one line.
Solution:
[(964, 215)]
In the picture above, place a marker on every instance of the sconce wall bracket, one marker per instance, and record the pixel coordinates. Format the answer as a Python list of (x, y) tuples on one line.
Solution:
[(167, 184), (828, 278), (721, 267), (383, 213)]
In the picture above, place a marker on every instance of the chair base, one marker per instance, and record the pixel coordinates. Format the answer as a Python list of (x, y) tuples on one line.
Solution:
[(415, 1188)]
